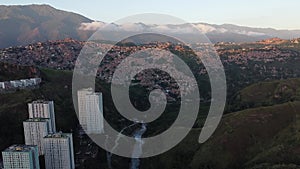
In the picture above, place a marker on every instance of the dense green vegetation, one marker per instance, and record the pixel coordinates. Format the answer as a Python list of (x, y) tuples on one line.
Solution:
[(258, 137), (255, 138), (267, 93), (15, 72)]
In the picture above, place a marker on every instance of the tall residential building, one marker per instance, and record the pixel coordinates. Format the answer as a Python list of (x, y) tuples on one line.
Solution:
[(90, 106), (82, 112), (59, 153), (42, 109), (2, 85), (35, 130), (21, 157), (94, 109)]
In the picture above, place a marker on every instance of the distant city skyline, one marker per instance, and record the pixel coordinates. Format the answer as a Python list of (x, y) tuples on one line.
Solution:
[(263, 14)]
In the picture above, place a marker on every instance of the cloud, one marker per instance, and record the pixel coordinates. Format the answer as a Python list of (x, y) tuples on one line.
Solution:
[(133, 27), (93, 26), (250, 33), (205, 28), (181, 29)]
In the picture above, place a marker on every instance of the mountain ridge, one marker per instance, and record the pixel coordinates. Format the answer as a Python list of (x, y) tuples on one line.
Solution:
[(24, 24), (33, 23)]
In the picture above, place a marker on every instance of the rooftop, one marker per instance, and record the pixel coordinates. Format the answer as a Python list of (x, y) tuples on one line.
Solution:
[(20, 148), (86, 89), (37, 120), (40, 101), (95, 94), (58, 135)]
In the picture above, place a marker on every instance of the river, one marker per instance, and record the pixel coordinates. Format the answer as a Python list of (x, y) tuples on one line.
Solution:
[(138, 147), (137, 150)]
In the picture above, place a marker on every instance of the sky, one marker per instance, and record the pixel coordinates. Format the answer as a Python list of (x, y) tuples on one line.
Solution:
[(279, 14)]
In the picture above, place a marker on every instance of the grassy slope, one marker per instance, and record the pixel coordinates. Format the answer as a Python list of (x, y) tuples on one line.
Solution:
[(14, 72), (265, 137), (260, 137), (251, 137), (267, 93)]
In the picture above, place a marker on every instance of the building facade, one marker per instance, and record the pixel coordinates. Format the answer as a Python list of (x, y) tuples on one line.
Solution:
[(36, 81), (2, 85), (21, 157), (94, 109), (90, 107), (16, 83), (42, 109), (82, 112), (35, 130), (59, 153)]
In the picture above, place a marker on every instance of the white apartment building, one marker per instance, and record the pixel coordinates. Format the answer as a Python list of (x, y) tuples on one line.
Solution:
[(94, 109), (90, 107), (36, 81), (21, 157), (82, 113), (16, 83), (42, 109), (27, 82), (35, 130), (2, 85), (59, 153), (22, 83)]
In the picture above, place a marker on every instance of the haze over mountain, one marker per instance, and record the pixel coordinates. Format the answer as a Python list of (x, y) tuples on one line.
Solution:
[(32, 23)]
